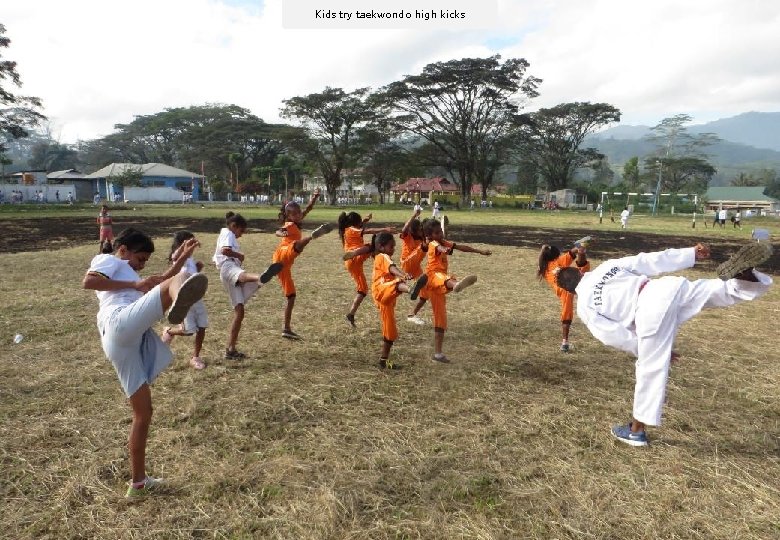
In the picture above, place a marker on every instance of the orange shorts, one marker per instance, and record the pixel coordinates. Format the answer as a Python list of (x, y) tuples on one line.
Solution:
[(436, 290), (286, 255), (355, 268), (412, 264), (385, 297)]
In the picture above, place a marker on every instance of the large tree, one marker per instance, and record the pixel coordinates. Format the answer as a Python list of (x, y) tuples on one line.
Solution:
[(225, 141), (553, 138), (17, 113), (467, 109), (53, 156), (326, 132), (681, 155)]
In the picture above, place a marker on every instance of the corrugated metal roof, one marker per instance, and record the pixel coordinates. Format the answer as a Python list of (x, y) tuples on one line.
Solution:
[(738, 193), (67, 173), (148, 169)]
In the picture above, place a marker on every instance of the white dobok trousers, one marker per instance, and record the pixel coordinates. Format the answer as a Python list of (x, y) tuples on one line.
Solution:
[(657, 326)]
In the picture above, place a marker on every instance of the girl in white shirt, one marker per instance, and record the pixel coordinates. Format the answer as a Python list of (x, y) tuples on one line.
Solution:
[(129, 306), (197, 320), (239, 284)]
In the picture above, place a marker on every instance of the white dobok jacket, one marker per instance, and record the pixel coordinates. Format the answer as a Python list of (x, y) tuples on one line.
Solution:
[(608, 296)]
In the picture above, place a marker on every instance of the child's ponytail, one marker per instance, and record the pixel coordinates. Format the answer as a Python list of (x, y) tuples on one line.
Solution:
[(237, 219), (343, 226), (547, 254), (178, 239)]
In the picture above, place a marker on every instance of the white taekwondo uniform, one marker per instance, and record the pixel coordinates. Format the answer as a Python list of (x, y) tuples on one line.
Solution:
[(622, 308)]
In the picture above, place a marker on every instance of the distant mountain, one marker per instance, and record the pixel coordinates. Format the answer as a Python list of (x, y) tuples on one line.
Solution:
[(750, 142), (758, 129)]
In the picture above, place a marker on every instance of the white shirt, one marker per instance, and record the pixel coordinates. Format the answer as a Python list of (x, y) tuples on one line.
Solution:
[(189, 267), (624, 214), (607, 295), (722, 214), (226, 239), (117, 269)]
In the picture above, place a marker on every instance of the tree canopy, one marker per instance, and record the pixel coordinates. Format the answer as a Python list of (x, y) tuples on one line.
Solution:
[(228, 140), (17, 113), (553, 138), (467, 109), (327, 129)]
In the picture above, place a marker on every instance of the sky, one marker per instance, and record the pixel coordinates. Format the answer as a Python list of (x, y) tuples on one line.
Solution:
[(96, 63)]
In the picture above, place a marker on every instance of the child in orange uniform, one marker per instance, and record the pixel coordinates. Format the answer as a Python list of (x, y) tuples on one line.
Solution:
[(551, 260), (387, 282), (352, 227), (413, 249), (291, 245), (440, 282)]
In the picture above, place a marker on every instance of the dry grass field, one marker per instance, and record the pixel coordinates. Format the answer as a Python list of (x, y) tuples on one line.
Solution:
[(311, 440)]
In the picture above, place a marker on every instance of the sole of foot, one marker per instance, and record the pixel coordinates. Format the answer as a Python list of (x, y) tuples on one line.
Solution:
[(190, 292), (748, 256), (270, 272), (467, 281)]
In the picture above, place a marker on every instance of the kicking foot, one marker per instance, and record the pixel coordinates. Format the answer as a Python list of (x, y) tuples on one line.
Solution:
[(419, 285), (745, 259), (351, 319), (415, 319), (270, 272), (197, 363), (565, 347), (190, 292), (289, 334), (166, 336), (467, 281), (234, 355), (625, 435), (439, 357), (583, 242), (325, 228), (138, 490)]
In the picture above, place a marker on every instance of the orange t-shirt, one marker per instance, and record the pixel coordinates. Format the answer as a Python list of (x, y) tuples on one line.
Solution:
[(408, 244), (353, 238), (382, 274), (437, 262), (293, 233), (563, 261)]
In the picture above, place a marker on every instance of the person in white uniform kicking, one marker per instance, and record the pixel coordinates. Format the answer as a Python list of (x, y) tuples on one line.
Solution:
[(625, 309)]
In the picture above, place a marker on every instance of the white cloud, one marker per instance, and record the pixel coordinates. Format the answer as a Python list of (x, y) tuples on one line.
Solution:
[(96, 65)]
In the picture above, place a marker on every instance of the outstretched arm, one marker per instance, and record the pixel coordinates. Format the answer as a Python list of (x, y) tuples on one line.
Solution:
[(669, 260), (469, 249), (314, 196)]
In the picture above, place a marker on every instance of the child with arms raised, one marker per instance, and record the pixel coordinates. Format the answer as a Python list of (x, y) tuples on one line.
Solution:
[(291, 244)]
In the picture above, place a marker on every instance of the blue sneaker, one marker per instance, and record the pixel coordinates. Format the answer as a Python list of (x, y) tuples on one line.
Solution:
[(625, 435)]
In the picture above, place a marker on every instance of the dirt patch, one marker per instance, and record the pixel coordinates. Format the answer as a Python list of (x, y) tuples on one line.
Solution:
[(47, 234)]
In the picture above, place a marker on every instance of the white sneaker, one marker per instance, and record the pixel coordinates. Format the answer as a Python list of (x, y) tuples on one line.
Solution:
[(415, 319)]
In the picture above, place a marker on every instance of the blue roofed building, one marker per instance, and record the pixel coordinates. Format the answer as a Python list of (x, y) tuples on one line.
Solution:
[(171, 183)]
